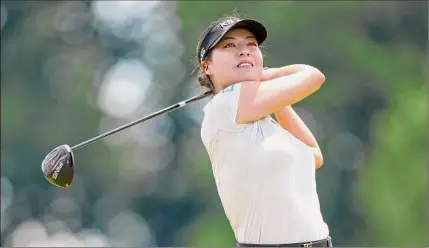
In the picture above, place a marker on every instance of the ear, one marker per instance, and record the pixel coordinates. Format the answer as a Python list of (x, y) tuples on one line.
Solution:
[(205, 67)]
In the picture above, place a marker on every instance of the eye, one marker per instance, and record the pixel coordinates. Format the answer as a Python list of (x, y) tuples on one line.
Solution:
[(253, 44), (229, 45)]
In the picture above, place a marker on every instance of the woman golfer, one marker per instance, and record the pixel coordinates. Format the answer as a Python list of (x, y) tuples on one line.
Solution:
[(264, 170)]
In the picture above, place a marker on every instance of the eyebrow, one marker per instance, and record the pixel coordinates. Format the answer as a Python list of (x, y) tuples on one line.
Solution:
[(233, 38)]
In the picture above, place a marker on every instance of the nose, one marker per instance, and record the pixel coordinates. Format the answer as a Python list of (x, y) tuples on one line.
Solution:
[(244, 51)]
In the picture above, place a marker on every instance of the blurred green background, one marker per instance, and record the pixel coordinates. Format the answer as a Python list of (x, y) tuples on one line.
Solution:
[(73, 69)]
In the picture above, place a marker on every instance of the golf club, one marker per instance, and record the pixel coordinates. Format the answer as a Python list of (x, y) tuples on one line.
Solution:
[(58, 165)]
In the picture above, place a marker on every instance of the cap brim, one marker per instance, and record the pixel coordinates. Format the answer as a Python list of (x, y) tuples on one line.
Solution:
[(255, 27)]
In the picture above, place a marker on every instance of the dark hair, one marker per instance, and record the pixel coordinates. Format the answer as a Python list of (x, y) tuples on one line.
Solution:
[(203, 79)]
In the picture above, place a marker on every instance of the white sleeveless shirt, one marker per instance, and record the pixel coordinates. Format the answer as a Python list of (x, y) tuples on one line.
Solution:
[(265, 177)]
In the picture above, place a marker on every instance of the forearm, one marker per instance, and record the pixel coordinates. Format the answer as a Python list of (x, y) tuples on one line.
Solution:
[(289, 120)]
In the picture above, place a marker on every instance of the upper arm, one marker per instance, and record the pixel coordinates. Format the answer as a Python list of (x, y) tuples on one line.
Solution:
[(260, 99)]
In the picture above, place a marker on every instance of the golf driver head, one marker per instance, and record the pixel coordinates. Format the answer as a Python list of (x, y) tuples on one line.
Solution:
[(58, 166)]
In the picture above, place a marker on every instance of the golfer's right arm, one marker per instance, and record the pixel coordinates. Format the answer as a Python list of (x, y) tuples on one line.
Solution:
[(258, 100)]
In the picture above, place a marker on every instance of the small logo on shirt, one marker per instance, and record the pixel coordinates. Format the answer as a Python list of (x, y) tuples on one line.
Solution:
[(228, 89)]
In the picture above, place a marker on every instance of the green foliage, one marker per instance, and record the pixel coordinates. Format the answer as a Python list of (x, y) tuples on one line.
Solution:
[(394, 182)]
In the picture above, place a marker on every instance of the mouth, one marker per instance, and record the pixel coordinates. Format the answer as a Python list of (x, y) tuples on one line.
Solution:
[(245, 65)]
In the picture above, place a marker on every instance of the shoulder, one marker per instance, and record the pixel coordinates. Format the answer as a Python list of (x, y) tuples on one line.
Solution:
[(225, 98), (233, 91), (221, 111)]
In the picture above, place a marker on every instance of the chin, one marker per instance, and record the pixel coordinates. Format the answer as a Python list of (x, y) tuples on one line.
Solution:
[(251, 77), (242, 76)]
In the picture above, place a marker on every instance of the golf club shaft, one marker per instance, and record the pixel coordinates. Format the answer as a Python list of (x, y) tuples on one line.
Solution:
[(162, 111)]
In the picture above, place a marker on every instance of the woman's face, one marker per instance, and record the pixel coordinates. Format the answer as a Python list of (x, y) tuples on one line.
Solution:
[(234, 59)]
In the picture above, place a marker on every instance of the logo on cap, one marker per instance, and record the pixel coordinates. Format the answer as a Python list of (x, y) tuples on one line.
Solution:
[(226, 23), (202, 53)]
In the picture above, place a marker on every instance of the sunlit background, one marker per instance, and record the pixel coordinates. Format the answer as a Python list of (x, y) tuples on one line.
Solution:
[(71, 70)]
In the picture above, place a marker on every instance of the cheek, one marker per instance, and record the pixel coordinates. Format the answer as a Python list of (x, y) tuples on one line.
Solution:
[(220, 63), (259, 60), (220, 67)]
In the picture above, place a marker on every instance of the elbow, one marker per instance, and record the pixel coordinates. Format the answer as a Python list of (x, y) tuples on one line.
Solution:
[(318, 158), (319, 162), (318, 78)]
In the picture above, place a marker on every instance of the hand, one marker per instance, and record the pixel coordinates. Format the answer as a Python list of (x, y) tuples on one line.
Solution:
[(267, 74)]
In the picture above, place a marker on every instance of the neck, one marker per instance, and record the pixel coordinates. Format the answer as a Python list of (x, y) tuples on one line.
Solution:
[(218, 88)]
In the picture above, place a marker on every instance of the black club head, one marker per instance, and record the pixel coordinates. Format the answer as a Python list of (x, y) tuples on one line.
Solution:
[(58, 166)]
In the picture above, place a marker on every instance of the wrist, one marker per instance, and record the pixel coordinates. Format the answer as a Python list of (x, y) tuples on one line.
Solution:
[(272, 73)]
